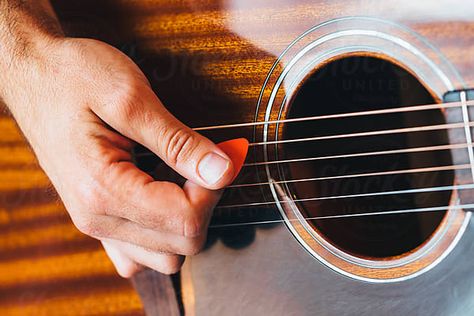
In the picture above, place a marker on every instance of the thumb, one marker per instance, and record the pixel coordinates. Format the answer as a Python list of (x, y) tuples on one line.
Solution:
[(192, 155)]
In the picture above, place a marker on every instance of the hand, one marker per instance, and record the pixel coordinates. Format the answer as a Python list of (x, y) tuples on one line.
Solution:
[(80, 103)]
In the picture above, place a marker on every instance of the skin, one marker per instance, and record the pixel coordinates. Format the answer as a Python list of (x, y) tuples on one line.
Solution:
[(82, 105)]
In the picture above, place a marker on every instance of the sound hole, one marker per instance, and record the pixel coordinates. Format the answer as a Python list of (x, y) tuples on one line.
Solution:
[(356, 84)]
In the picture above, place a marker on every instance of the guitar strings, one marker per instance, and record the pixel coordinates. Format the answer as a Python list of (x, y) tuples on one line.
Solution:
[(381, 173), (357, 175), (352, 176), (342, 115), (349, 176), (339, 216), (352, 135), (368, 133), (339, 136), (363, 154), (350, 114)]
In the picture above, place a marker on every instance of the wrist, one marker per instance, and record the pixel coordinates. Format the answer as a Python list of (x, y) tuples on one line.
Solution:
[(27, 30), (25, 83), (23, 62)]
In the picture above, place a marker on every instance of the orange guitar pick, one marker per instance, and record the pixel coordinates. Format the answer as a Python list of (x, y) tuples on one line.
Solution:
[(237, 150)]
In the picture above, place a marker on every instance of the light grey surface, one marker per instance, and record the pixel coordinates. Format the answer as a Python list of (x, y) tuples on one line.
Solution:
[(276, 276)]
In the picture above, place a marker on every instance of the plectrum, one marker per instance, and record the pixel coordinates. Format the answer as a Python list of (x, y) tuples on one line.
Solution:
[(237, 150)]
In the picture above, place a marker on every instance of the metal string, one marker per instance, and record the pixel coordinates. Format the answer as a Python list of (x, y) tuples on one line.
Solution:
[(363, 154), (342, 115), (339, 216), (368, 133), (359, 175), (351, 135), (357, 195)]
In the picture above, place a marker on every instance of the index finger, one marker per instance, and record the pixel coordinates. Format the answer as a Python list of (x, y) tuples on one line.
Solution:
[(158, 205)]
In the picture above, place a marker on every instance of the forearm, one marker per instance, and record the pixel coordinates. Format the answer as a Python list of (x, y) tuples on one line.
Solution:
[(26, 27)]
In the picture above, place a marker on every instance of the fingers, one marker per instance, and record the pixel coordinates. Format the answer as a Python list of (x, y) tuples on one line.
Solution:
[(162, 206), (139, 115), (125, 266), (143, 222), (114, 228), (164, 263)]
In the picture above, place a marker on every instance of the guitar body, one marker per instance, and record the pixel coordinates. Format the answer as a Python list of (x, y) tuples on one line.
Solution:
[(226, 62)]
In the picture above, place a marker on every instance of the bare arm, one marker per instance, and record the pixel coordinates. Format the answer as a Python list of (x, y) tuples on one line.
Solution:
[(24, 27), (61, 91)]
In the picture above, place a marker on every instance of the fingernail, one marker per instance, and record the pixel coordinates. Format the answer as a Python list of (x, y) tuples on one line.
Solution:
[(212, 168)]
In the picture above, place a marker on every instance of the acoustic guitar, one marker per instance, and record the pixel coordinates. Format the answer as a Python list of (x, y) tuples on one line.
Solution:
[(356, 194)]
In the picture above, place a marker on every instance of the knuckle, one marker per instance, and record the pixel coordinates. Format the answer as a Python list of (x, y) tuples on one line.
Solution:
[(171, 266), (193, 226), (93, 196), (193, 247), (124, 99), (128, 270), (180, 144), (128, 106), (88, 226)]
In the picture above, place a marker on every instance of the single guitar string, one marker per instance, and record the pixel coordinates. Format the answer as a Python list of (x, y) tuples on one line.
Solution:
[(341, 115), (367, 174), (363, 154), (339, 216), (357, 195), (368, 133)]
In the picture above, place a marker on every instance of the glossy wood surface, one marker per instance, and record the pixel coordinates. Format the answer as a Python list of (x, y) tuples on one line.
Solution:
[(207, 61)]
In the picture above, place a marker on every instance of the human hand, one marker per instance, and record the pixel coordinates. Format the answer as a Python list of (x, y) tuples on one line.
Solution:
[(82, 104)]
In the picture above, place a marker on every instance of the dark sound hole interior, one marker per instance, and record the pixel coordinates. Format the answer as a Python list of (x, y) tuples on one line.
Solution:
[(357, 84)]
